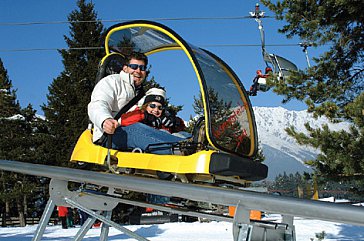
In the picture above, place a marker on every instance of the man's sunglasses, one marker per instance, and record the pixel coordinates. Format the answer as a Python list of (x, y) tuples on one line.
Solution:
[(153, 106), (136, 66)]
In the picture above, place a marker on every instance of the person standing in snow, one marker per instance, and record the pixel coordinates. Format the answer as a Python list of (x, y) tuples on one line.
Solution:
[(62, 214)]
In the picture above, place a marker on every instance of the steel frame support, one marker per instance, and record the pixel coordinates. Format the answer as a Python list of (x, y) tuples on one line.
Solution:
[(61, 196), (245, 229), (270, 231), (84, 228), (44, 220), (106, 221), (245, 200), (105, 227), (240, 223)]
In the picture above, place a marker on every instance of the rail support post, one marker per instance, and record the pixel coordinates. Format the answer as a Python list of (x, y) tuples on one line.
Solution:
[(270, 231), (87, 202), (245, 229), (44, 220), (240, 223)]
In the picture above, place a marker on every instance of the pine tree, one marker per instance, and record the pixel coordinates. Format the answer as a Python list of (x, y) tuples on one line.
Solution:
[(9, 107), (8, 104), (69, 93), (9, 117), (17, 142), (334, 85)]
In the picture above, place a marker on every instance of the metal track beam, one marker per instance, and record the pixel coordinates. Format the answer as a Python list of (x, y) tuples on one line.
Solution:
[(249, 200)]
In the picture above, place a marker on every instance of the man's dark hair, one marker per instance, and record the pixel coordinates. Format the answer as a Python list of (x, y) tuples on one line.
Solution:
[(137, 56)]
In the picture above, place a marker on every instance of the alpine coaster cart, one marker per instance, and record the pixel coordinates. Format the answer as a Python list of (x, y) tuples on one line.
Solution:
[(223, 153), (212, 169), (224, 143)]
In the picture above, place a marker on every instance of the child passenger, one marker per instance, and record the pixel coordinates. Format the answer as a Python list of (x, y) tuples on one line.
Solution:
[(154, 113)]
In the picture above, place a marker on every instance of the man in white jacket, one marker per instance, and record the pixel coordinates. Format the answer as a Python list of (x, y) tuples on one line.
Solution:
[(113, 92)]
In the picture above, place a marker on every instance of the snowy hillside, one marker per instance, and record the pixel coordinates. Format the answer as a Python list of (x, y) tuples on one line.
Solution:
[(281, 151)]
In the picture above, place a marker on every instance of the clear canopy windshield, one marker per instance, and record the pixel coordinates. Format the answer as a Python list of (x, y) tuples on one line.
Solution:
[(226, 108), (229, 113), (141, 39)]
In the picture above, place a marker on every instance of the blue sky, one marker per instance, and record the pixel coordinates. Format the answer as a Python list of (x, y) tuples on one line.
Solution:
[(33, 71)]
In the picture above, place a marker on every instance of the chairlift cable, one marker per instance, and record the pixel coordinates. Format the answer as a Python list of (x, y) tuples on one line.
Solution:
[(49, 49), (97, 48), (248, 45), (123, 20)]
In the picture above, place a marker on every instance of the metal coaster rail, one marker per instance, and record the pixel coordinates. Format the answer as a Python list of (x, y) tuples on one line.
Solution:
[(243, 200)]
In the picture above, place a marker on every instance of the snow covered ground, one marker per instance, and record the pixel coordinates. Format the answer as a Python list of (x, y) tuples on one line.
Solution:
[(212, 231)]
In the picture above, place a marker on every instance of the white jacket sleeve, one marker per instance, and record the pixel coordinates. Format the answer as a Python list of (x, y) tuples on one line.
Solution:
[(109, 95), (102, 98)]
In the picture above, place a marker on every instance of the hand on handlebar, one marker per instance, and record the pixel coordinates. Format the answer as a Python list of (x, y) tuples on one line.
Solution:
[(109, 126)]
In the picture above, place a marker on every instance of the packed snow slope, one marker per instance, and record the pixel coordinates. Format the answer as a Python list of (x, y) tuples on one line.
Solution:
[(306, 230)]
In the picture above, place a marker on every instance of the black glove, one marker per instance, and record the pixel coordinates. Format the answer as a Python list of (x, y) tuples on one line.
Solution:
[(151, 120), (169, 120)]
